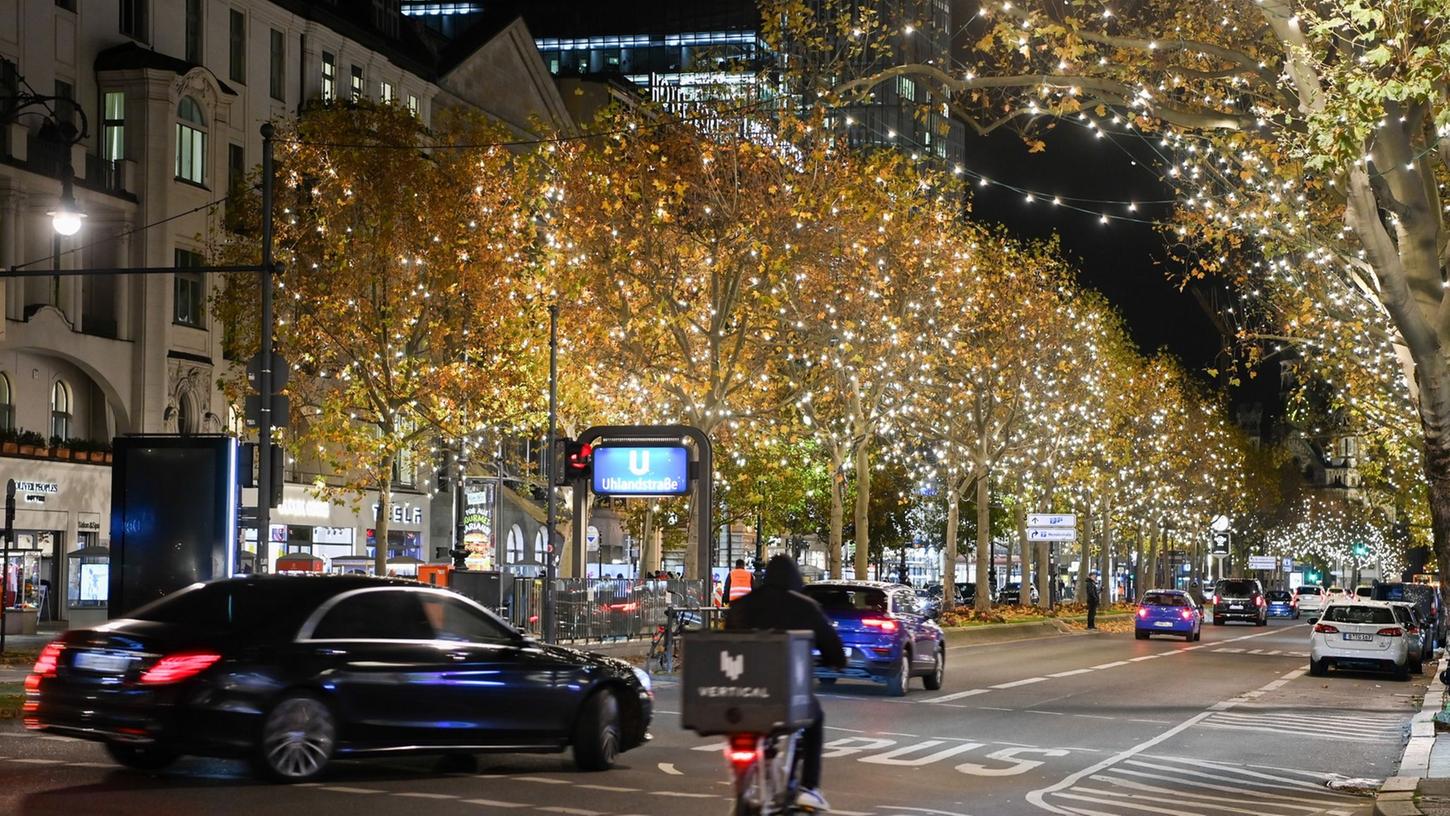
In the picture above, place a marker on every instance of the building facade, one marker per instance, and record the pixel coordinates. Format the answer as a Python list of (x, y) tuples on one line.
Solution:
[(168, 97)]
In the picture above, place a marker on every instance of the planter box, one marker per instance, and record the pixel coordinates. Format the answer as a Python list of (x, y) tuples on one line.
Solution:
[(9, 447), (99, 456), (81, 456), (27, 450), (60, 453)]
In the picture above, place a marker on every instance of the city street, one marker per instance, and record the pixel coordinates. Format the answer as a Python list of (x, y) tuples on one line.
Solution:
[(1087, 724)]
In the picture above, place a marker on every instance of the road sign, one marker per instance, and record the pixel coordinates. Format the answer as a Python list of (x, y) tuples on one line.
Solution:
[(280, 371), (654, 470), (1051, 520), (281, 410), (1051, 533), (1288, 565), (1219, 542), (1263, 562)]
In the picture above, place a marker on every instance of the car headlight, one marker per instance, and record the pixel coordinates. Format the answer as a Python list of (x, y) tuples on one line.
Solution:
[(643, 677)]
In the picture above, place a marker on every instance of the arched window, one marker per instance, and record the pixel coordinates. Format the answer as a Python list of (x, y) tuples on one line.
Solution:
[(541, 547), (185, 414), (7, 405), (60, 410), (190, 142), (515, 545)]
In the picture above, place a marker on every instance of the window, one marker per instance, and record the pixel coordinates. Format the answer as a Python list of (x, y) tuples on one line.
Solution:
[(113, 126), (357, 83), (329, 77), (237, 40), (133, 19), (193, 31), (190, 142), (189, 292), (380, 614), (413, 105), (65, 102), (845, 599), (60, 410), (514, 546), (452, 619), (7, 405), (1358, 614), (385, 92), (260, 609), (1165, 599), (277, 72), (236, 167)]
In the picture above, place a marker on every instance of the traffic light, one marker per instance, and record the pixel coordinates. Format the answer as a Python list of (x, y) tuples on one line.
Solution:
[(1361, 549), (578, 460)]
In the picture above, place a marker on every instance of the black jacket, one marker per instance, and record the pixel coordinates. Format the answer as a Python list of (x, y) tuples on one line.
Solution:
[(1092, 592), (776, 604)]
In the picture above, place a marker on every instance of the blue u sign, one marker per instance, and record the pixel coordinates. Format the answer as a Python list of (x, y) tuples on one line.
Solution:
[(642, 471)]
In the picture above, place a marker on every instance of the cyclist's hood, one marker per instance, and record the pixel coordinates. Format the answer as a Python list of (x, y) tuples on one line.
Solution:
[(782, 573)]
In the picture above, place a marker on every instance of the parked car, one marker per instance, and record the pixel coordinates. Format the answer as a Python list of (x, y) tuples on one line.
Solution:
[(1364, 591), (887, 637), (1239, 599), (293, 672), (1168, 612), (1359, 634), (1281, 604), (1424, 596), (1308, 600), (930, 606), (1011, 593), (1417, 630), (1335, 593)]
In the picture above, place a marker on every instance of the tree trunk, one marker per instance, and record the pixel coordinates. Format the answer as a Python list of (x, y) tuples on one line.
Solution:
[(648, 560), (949, 550), (863, 508), (1084, 561), (1107, 581), (1025, 584), (1437, 472), (984, 543), (1045, 576), (385, 513), (838, 513)]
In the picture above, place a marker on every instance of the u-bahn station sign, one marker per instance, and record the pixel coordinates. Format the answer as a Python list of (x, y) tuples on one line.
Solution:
[(652, 470)]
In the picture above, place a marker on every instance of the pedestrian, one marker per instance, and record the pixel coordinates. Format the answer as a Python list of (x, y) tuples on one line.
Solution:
[(739, 582), (1092, 600)]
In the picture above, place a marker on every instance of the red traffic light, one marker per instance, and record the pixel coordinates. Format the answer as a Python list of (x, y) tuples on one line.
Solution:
[(578, 459)]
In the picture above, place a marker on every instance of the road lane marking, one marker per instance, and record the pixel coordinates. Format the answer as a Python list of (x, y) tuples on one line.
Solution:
[(1071, 673), (609, 788), (422, 795), (684, 794), (1015, 683), (569, 811), (542, 780), (495, 803), (669, 768), (346, 789), (946, 698), (1113, 665)]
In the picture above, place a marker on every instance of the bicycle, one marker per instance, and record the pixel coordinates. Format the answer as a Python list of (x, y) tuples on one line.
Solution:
[(664, 647), (766, 774)]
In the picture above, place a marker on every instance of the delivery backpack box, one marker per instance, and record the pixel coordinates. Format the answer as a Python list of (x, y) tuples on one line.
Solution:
[(747, 682)]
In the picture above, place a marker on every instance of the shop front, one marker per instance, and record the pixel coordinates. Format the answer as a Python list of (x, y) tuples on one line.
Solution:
[(338, 536), (61, 508)]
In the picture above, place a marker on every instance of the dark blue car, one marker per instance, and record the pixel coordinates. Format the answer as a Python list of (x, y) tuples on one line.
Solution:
[(1281, 604), (888, 637), (1168, 612)]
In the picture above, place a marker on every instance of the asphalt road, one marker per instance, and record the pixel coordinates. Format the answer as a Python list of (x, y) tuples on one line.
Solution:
[(1093, 724)]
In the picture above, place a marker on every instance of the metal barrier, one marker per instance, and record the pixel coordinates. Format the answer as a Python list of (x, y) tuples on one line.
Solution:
[(680, 621), (591, 610)]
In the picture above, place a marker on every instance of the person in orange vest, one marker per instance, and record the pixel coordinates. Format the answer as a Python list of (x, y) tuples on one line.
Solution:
[(738, 582)]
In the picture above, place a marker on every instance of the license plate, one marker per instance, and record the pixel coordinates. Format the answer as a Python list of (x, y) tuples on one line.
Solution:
[(1235, 606), (1354, 636), (101, 662), (1164, 623)]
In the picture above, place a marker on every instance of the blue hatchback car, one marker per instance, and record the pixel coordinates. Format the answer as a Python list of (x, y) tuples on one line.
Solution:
[(1281, 604), (889, 638), (1168, 612)]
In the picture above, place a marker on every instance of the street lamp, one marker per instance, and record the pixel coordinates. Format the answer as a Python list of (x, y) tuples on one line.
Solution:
[(66, 217)]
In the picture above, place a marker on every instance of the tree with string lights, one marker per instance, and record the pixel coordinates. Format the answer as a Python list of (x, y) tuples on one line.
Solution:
[(406, 302)]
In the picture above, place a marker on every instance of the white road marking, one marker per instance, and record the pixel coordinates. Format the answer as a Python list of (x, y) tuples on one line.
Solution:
[(1112, 665), (1071, 673), (1015, 683), (30, 761), (542, 780), (609, 788), (683, 794), (669, 768), (569, 811), (346, 789), (422, 795), (495, 803), (946, 698)]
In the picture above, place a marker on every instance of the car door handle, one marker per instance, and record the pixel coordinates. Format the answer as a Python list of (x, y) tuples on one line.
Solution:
[(458, 656)]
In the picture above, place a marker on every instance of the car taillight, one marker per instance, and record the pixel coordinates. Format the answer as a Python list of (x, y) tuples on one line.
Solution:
[(45, 665), (1260, 600), (1142, 611), (177, 667), (1217, 600), (1187, 614), (1391, 631), (1326, 629), (742, 749), (884, 624)]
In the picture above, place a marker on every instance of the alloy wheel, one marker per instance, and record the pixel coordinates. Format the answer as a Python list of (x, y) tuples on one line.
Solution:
[(298, 739)]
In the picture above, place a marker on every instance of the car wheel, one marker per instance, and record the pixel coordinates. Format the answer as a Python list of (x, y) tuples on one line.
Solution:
[(299, 735), (896, 686), (1140, 634), (141, 757), (1317, 668), (1197, 635), (596, 734), (933, 681)]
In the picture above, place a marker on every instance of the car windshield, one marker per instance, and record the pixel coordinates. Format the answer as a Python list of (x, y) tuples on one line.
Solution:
[(1359, 614), (1414, 593), (1164, 599), (1309, 590), (848, 599), (1237, 588), (1278, 595)]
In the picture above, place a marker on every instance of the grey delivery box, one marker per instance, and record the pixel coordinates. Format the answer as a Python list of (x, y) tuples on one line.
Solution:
[(747, 682)]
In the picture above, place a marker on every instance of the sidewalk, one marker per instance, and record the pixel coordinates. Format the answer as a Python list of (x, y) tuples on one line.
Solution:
[(1421, 786)]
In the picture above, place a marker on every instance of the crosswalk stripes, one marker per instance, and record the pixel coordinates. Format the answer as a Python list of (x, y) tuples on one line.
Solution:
[(1309, 723), (1185, 786)]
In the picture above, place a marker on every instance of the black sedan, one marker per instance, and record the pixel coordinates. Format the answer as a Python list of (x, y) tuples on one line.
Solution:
[(291, 672)]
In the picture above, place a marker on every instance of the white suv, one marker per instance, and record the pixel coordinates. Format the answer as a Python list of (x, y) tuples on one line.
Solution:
[(1359, 634), (1308, 600)]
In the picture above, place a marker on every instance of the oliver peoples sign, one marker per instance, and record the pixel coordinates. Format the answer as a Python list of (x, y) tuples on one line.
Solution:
[(37, 487)]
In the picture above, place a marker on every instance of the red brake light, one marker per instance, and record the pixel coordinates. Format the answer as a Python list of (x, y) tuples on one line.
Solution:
[(1187, 614), (1142, 611), (884, 624), (177, 667), (742, 749), (1326, 629), (1216, 600), (1261, 600), (45, 665), (1391, 631)]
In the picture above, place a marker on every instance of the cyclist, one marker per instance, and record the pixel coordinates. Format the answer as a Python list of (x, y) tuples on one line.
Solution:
[(778, 604)]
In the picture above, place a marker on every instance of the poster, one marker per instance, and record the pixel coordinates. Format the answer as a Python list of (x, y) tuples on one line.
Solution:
[(478, 500), (95, 579)]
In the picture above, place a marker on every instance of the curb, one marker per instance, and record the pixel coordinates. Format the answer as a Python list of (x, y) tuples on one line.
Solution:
[(1396, 796)]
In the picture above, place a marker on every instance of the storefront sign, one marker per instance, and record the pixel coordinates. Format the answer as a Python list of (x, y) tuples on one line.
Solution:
[(478, 525), (332, 535), (37, 487), (88, 526), (405, 513), (642, 471), (305, 508), (33, 499)]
